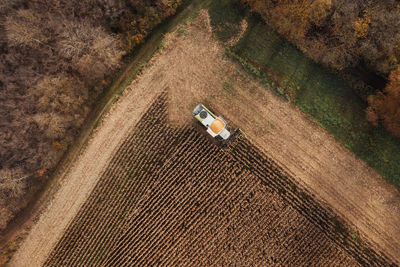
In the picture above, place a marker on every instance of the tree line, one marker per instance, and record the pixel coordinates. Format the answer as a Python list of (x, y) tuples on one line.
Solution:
[(56, 58), (343, 34)]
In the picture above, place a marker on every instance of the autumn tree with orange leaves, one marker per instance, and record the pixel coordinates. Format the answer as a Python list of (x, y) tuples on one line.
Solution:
[(340, 34), (384, 107)]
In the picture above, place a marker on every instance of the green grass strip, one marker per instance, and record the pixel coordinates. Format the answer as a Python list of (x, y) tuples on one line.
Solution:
[(329, 100)]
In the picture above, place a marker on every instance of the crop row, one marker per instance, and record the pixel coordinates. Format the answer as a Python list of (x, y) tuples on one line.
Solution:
[(192, 196), (275, 177), (172, 197), (175, 174), (93, 230)]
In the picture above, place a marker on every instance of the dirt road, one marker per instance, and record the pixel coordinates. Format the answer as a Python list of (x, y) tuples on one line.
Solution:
[(193, 68)]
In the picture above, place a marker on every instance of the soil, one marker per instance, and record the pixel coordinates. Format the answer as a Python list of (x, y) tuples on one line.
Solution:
[(309, 153), (212, 210), (193, 68), (193, 203)]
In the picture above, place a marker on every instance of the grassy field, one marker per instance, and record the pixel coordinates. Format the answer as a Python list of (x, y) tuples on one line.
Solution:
[(316, 91)]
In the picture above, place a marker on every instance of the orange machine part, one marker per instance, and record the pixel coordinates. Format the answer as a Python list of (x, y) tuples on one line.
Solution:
[(217, 126)]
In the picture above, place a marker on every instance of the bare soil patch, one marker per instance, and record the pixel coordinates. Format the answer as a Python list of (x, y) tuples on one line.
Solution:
[(192, 68)]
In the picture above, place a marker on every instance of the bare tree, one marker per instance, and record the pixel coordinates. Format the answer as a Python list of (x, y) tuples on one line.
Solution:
[(6, 215), (62, 94), (12, 186), (52, 124), (54, 55), (92, 50), (24, 28), (12, 183)]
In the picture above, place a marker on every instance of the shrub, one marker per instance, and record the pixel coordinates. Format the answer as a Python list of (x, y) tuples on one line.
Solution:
[(384, 107)]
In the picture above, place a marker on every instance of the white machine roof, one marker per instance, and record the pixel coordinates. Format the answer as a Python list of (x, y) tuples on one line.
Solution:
[(208, 121)]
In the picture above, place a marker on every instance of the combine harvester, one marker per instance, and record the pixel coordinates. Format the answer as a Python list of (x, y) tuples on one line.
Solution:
[(216, 126)]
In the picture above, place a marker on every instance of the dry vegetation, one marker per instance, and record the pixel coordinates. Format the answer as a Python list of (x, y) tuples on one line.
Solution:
[(344, 35), (182, 198), (385, 106), (56, 58), (339, 33), (192, 203)]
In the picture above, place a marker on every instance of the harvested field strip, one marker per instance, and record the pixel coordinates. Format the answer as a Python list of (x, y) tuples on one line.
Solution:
[(172, 197)]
